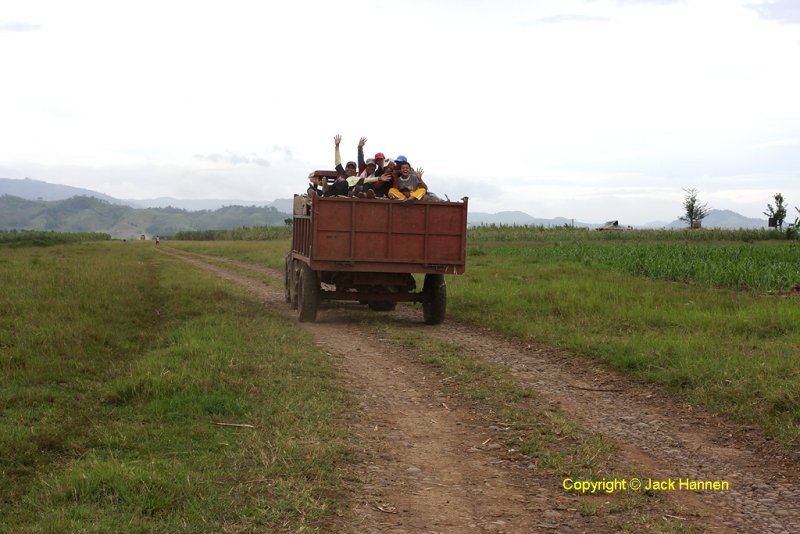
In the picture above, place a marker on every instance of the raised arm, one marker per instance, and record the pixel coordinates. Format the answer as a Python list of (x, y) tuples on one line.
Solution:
[(420, 172), (337, 157), (361, 164)]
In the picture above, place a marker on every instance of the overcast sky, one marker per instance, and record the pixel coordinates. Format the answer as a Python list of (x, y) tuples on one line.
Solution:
[(587, 109)]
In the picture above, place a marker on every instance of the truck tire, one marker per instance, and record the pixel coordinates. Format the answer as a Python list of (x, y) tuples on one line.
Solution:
[(435, 304), (287, 279), (382, 305), (308, 295)]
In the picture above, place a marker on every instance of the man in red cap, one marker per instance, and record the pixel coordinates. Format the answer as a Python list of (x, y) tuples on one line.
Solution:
[(379, 159)]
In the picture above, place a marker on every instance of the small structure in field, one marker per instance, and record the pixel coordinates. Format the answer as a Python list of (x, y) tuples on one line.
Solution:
[(610, 225)]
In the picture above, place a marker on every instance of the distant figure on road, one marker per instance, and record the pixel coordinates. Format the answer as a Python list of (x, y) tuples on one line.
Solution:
[(157, 240)]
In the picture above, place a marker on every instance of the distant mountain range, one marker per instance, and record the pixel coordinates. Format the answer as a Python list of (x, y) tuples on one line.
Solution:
[(521, 218), (724, 219), (714, 219), (37, 190), (166, 215), (30, 189), (90, 214), (284, 205)]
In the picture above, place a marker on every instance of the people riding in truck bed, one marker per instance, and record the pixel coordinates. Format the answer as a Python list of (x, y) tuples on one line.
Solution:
[(340, 186), (314, 185), (374, 178), (408, 184)]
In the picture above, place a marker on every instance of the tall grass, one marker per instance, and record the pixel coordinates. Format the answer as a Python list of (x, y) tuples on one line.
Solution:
[(256, 233), (15, 238), (766, 266), (566, 233), (116, 365)]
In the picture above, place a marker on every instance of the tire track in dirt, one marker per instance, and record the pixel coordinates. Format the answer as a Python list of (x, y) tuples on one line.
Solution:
[(666, 437), (425, 480)]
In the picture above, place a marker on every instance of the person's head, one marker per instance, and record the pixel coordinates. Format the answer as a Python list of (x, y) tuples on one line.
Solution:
[(400, 159), (405, 169), (351, 168), (371, 166), (379, 159)]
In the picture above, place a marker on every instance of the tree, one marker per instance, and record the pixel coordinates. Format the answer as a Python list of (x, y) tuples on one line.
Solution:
[(692, 208), (793, 229), (778, 212)]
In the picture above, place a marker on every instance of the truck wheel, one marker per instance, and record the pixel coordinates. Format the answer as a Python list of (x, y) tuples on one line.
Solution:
[(287, 279), (382, 305), (435, 291), (308, 296)]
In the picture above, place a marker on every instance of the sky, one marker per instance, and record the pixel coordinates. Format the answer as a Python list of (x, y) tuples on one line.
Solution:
[(594, 110)]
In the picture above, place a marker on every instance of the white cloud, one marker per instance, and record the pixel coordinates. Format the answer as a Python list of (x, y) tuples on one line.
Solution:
[(602, 110), (783, 11), (18, 27)]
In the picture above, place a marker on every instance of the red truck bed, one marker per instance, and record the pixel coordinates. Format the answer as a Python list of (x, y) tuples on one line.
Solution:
[(380, 235)]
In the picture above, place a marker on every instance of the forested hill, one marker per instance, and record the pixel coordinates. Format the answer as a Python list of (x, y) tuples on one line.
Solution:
[(89, 214)]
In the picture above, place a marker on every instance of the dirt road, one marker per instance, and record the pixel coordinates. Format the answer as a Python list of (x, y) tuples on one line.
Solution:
[(434, 462)]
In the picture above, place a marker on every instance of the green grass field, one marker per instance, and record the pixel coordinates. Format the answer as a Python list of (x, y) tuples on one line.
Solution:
[(119, 363)]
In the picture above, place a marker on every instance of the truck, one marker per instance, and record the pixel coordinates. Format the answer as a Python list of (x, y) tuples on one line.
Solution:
[(368, 250)]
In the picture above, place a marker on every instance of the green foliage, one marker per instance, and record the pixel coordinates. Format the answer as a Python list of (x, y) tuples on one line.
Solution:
[(116, 363), (793, 229), (694, 211), (777, 212)]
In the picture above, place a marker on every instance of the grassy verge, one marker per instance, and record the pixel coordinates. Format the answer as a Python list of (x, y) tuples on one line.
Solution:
[(119, 363)]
